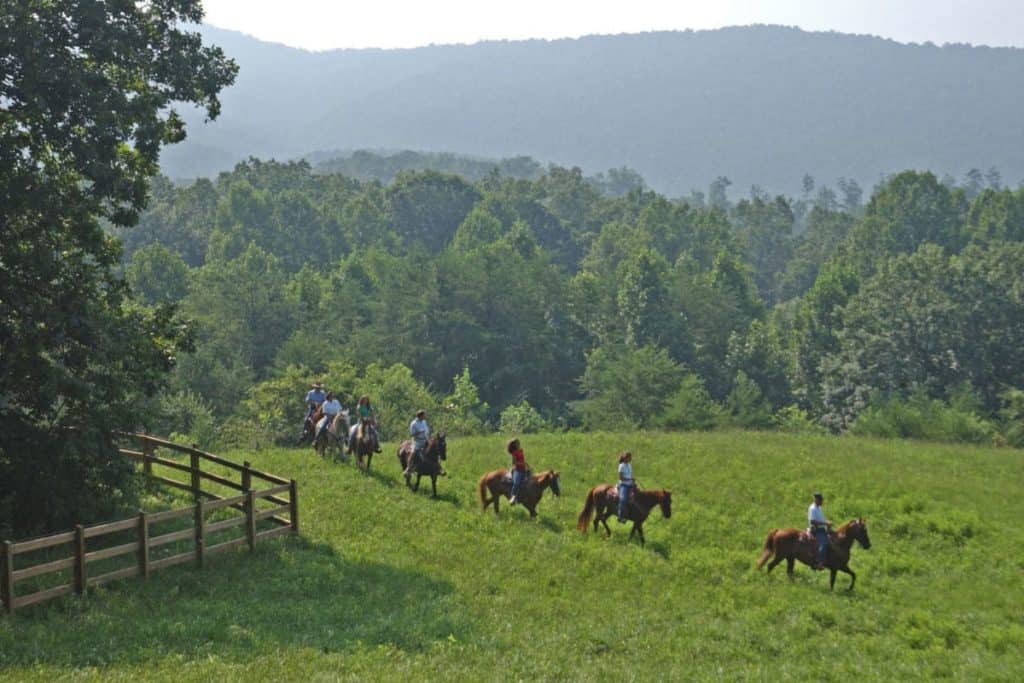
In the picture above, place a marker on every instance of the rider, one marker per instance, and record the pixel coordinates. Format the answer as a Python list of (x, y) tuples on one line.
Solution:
[(518, 468), (331, 408), (819, 529), (626, 483), (314, 398), (420, 432), (364, 415)]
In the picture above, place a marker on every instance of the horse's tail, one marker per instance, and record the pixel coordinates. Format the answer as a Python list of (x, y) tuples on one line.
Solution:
[(588, 512), (768, 550), (481, 489)]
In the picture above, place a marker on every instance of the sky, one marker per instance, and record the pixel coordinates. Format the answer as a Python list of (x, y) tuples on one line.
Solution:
[(328, 24)]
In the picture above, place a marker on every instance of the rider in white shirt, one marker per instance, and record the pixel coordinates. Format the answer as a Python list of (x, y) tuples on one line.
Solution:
[(419, 430), (819, 526), (331, 408)]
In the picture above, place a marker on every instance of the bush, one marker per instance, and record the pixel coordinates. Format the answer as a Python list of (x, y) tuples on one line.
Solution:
[(464, 413), (690, 408), (1012, 414), (746, 406), (187, 418), (627, 384), (919, 417), (522, 418), (796, 420)]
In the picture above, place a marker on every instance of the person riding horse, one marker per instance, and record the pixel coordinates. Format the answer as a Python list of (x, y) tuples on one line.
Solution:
[(368, 421), (314, 399), (819, 527), (331, 408), (419, 430)]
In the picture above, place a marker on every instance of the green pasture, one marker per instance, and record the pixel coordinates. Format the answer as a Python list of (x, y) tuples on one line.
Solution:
[(387, 584)]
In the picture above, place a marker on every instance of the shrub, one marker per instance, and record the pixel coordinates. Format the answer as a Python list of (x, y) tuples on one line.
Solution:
[(746, 405), (796, 420), (522, 418), (919, 417), (690, 407), (464, 412)]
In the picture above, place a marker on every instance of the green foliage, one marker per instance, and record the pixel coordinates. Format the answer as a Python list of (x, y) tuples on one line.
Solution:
[(186, 418), (1012, 414), (746, 406), (397, 395), (157, 275), (85, 106), (795, 420), (464, 412), (919, 417), (690, 407), (521, 418), (627, 386)]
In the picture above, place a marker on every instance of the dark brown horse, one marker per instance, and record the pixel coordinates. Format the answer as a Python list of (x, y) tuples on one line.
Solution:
[(499, 483), (428, 464), (603, 502), (366, 444), (794, 544), (309, 426)]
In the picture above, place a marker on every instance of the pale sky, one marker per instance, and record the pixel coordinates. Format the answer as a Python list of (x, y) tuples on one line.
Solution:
[(326, 24)]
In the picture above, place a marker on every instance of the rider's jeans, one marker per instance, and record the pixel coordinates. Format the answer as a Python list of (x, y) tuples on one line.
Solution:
[(624, 490), (821, 535), (517, 481)]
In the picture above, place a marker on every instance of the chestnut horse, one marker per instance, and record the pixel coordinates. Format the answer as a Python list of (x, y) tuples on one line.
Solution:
[(499, 484), (309, 426), (794, 544), (429, 464), (603, 502)]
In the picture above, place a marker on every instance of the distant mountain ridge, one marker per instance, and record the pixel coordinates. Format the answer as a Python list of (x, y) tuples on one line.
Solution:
[(761, 105)]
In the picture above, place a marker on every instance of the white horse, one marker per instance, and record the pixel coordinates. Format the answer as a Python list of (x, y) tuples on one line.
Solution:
[(333, 438)]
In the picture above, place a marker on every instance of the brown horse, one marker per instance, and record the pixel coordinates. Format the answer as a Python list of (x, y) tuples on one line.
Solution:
[(428, 464), (499, 483), (309, 426), (603, 501), (794, 544), (366, 444)]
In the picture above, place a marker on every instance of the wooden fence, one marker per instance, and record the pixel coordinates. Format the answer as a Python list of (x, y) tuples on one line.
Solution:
[(134, 537)]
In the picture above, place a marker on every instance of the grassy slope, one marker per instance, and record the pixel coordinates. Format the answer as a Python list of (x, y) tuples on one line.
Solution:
[(384, 583)]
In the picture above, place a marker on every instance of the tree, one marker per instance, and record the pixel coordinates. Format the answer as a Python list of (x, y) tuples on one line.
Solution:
[(85, 104), (157, 275), (627, 386)]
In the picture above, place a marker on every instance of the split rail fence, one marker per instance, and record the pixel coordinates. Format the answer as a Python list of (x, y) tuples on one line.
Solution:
[(275, 505)]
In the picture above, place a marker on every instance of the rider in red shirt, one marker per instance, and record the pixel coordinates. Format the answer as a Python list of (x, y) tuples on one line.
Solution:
[(518, 468)]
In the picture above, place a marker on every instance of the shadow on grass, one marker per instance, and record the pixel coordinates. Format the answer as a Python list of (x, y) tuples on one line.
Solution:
[(290, 593)]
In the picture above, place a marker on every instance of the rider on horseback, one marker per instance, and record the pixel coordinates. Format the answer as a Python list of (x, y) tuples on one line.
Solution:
[(314, 398), (626, 483), (419, 430), (331, 408), (518, 468), (819, 528), (366, 418)]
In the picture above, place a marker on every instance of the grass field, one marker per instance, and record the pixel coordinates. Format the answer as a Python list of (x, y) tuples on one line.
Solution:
[(387, 584)]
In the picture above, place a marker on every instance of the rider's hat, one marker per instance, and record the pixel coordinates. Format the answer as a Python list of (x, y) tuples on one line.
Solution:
[(316, 385), (421, 412), (817, 494)]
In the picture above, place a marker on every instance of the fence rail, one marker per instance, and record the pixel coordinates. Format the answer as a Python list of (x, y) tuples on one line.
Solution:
[(79, 556)]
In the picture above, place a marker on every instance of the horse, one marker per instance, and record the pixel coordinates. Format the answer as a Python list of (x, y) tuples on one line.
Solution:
[(333, 437), (429, 464), (366, 443), (794, 544), (499, 483), (309, 426), (603, 501)]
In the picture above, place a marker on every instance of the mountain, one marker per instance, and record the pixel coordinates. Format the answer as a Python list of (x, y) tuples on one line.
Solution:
[(758, 104)]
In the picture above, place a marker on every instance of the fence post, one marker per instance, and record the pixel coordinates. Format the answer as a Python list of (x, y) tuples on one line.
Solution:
[(250, 519), (7, 579), (246, 476), (200, 524), (147, 455), (143, 545), (194, 467), (293, 495), (80, 577)]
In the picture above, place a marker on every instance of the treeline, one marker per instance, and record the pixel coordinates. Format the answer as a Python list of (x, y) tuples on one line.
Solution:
[(544, 302)]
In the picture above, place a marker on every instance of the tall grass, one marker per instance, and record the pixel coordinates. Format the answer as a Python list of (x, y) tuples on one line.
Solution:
[(386, 584)]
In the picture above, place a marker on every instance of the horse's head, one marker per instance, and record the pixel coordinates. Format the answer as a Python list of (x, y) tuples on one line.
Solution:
[(858, 529), (553, 481), (441, 445), (666, 504)]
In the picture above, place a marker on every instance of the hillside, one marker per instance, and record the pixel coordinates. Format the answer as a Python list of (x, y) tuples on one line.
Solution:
[(757, 104), (384, 583)]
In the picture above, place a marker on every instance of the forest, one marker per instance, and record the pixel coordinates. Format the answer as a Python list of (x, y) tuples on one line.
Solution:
[(519, 304)]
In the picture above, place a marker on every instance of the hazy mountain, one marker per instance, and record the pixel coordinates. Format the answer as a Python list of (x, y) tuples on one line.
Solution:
[(758, 104)]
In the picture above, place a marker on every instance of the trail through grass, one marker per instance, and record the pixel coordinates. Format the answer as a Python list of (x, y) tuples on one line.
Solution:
[(386, 584)]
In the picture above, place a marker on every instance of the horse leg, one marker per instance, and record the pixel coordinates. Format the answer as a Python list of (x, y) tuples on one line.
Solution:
[(831, 578), (790, 563), (774, 563), (603, 519), (846, 570), (433, 485), (417, 486)]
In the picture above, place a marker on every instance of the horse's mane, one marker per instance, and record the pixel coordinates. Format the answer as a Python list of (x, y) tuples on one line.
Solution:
[(841, 531)]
